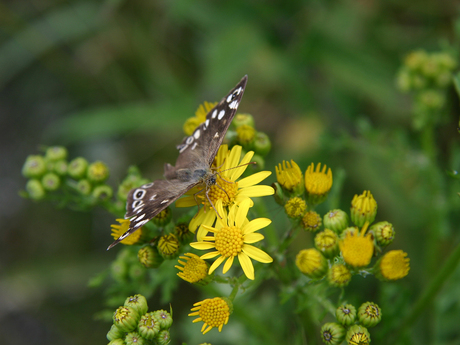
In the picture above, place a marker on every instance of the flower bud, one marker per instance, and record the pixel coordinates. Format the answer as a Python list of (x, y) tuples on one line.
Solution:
[(97, 172), (60, 167), (369, 314), (279, 195), (138, 303), (327, 242), (103, 192), (77, 168), (149, 326), (246, 136), (35, 189), (311, 263), (346, 314), (393, 265), (168, 246), (311, 221), (135, 338), (289, 177), (183, 233), (243, 119), (332, 333), (339, 275), (358, 334), (260, 162), (84, 187), (262, 144), (136, 271), (34, 166), (163, 338), (194, 269), (117, 341), (384, 233), (56, 153), (318, 183), (119, 270), (51, 181), (336, 220), (149, 257), (163, 218), (164, 318), (115, 333), (363, 209), (295, 207), (125, 318)]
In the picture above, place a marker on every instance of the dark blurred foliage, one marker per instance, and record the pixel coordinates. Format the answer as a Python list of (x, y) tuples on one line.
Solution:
[(115, 80)]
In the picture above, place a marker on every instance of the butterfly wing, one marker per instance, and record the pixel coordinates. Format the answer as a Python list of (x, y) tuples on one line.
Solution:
[(207, 137), (148, 200)]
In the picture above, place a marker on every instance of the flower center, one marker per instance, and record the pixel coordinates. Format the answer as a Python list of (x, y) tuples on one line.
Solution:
[(214, 312), (223, 189), (229, 241)]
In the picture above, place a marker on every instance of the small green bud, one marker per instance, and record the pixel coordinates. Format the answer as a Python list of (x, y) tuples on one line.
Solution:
[(163, 218), (138, 303), (149, 257), (243, 119), (163, 338), (183, 233), (34, 166), (358, 334), (135, 338), (336, 220), (311, 221), (245, 136), (119, 269), (117, 342), (56, 153), (339, 275), (60, 167), (327, 242), (84, 187), (51, 181), (353, 230), (126, 319), (115, 333), (384, 233), (98, 172), (35, 189), (369, 314), (149, 326), (77, 168), (363, 209), (136, 271), (260, 162), (346, 314), (262, 144), (103, 192), (164, 318), (332, 333)]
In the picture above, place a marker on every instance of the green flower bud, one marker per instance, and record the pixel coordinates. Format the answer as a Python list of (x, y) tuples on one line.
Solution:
[(243, 119), (117, 342), (56, 153), (183, 233), (262, 144), (336, 220), (363, 208), (60, 167), (138, 303), (332, 333), (103, 192), (295, 207), (119, 270), (77, 168), (339, 275), (168, 246), (327, 242), (346, 314), (35, 189), (164, 318), (98, 172), (384, 233), (135, 338), (149, 257), (358, 334), (311, 221), (51, 181), (311, 263), (115, 333), (245, 136), (369, 314), (84, 187), (260, 162), (149, 326), (136, 271), (163, 218), (163, 338), (352, 230), (126, 319), (279, 195), (34, 166), (432, 99)]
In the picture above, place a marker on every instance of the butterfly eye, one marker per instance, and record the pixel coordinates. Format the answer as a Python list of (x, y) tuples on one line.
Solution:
[(139, 194)]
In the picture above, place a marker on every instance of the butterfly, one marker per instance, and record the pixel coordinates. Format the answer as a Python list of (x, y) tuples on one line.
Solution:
[(193, 166)]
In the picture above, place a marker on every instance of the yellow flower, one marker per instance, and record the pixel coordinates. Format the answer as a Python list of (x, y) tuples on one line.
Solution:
[(311, 263), (358, 335), (357, 248), (318, 183), (118, 230), (363, 208), (200, 116), (295, 207), (245, 134), (289, 176), (393, 265), (231, 238), (213, 312), (228, 188), (194, 269), (339, 275), (311, 221)]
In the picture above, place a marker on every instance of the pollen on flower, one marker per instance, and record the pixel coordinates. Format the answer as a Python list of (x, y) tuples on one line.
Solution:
[(295, 207), (213, 312), (394, 265), (118, 230), (357, 248), (224, 190), (229, 241), (193, 269), (318, 182), (289, 175)]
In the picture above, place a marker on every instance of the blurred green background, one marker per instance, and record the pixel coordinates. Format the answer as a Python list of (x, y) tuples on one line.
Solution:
[(115, 80)]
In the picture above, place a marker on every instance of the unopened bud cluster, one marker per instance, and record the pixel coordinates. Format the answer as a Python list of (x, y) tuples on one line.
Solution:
[(133, 324)]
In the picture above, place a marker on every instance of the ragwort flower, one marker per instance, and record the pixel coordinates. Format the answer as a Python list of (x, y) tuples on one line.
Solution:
[(232, 237), (213, 312), (118, 230), (357, 248), (318, 183)]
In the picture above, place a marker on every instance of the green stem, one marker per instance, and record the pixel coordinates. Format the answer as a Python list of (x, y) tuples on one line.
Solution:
[(431, 291), (240, 281)]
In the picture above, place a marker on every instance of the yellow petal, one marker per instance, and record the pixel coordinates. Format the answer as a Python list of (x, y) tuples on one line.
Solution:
[(207, 219), (202, 245), (256, 254), (233, 158), (216, 264), (253, 179), (187, 201), (256, 191), (255, 225), (209, 255), (236, 173), (246, 265), (253, 238), (228, 264), (242, 213)]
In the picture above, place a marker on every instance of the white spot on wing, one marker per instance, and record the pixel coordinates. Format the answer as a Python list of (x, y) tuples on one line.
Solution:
[(206, 124), (140, 216), (164, 201), (189, 140), (183, 148), (153, 197), (233, 105), (138, 225), (237, 91), (194, 145), (216, 135), (214, 114), (139, 194), (221, 114), (140, 209), (229, 98), (148, 185), (196, 134)]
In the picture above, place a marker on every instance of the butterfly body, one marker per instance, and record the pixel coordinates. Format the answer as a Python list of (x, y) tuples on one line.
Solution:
[(193, 166)]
